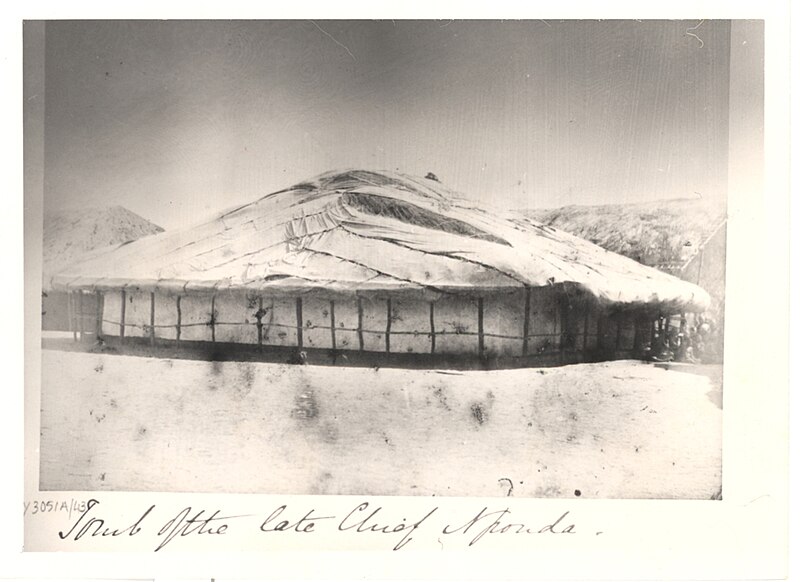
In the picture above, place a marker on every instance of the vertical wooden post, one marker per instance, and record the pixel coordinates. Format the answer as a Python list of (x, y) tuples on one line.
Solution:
[(333, 326), (480, 326), (360, 330), (99, 314), (259, 323), (653, 331), (213, 318), (388, 324), (122, 316), (152, 318), (80, 313), (178, 325), (636, 333), (299, 313), (563, 316), (526, 322), (71, 316), (619, 333), (433, 330)]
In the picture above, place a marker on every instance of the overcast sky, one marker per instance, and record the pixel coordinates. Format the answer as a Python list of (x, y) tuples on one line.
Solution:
[(175, 120)]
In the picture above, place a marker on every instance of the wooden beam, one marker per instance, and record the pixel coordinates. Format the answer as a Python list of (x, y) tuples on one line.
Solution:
[(213, 318), (333, 325), (152, 318), (526, 321), (563, 317), (122, 316), (433, 329), (388, 324), (80, 313), (480, 327), (360, 330), (178, 325), (299, 314), (71, 316), (259, 323), (99, 315)]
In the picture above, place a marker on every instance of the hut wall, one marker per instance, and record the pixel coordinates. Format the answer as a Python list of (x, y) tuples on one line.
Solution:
[(592, 337), (411, 326), (346, 324), (456, 325), (235, 317), (587, 330), (374, 323), (137, 313), (504, 315), (627, 332), (608, 332), (545, 326), (279, 322), (55, 311), (196, 318), (166, 316), (112, 306), (574, 326)]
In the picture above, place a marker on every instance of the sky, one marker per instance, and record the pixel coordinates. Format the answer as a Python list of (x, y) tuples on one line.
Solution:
[(178, 120)]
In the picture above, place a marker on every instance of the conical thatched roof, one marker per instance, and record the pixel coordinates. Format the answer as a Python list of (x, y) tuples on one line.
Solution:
[(374, 231)]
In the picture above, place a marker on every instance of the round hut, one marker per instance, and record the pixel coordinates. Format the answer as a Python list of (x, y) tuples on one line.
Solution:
[(377, 268)]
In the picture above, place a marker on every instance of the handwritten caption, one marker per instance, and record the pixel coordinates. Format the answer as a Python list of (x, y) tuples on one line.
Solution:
[(365, 518)]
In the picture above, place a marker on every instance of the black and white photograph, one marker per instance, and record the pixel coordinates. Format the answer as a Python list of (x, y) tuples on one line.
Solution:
[(389, 258)]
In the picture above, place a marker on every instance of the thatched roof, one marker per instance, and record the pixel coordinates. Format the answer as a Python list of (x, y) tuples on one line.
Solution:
[(70, 235), (369, 231), (665, 234)]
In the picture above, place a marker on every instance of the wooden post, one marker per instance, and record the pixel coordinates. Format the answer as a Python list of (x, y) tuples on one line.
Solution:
[(299, 313), (526, 322), (152, 318), (563, 316), (213, 318), (122, 316), (480, 327), (333, 326), (259, 324), (71, 316), (99, 321), (360, 330), (80, 313), (433, 330), (178, 325), (388, 324), (653, 331)]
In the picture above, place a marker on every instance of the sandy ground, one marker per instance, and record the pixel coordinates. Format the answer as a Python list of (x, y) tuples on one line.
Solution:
[(612, 430)]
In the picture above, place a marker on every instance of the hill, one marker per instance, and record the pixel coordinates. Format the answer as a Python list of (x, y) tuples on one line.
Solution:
[(71, 234), (665, 234)]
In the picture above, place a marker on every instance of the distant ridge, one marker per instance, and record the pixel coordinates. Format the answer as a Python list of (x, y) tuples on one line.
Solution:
[(664, 234), (69, 235)]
